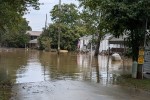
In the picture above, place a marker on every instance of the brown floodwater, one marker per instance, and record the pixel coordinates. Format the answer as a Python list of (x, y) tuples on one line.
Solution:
[(68, 76), (23, 66)]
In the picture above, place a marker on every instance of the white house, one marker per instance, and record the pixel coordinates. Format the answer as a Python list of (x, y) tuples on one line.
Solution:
[(109, 41), (104, 44), (83, 43)]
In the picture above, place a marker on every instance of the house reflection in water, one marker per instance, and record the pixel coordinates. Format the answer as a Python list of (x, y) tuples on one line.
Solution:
[(100, 70)]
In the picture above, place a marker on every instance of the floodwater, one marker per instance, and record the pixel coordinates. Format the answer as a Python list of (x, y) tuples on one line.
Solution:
[(68, 76)]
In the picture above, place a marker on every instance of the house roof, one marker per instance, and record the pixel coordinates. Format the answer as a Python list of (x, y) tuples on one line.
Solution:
[(119, 40), (34, 33)]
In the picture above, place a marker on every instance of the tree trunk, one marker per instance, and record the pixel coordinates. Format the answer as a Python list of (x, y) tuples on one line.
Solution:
[(97, 46), (136, 44), (135, 47)]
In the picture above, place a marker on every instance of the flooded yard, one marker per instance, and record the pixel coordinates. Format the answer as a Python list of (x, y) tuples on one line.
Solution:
[(68, 76), (22, 66)]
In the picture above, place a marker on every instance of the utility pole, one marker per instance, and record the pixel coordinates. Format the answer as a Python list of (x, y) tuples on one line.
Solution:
[(141, 55), (59, 30), (46, 22)]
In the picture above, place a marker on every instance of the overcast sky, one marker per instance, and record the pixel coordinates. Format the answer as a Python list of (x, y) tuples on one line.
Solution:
[(37, 18)]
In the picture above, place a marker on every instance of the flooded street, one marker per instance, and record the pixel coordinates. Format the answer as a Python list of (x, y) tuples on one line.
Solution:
[(69, 76)]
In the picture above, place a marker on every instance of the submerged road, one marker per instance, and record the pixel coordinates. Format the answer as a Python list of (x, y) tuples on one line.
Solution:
[(74, 90), (41, 75)]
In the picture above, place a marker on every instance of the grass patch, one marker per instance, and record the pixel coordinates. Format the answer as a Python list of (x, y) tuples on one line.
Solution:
[(127, 80)]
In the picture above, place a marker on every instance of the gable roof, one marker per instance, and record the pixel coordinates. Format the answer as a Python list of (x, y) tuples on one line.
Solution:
[(34, 33), (119, 40)]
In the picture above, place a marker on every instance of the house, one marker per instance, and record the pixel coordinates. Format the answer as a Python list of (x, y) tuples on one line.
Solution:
[(109, 41), (84, 43), (117, 45), (112, 43), (33, 43), (104, 44)]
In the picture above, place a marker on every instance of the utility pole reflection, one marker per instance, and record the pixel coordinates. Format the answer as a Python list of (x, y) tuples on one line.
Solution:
[(97, 69)]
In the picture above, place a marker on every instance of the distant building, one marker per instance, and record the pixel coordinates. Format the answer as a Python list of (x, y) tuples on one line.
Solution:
[(115, 44), (33, 43), (108, 41), (104, 44), (84, 43)]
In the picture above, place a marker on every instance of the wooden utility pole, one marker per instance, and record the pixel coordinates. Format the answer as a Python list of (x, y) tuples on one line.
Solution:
[(46, 22), (59, 30)]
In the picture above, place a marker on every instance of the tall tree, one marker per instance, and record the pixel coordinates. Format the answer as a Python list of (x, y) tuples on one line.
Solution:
[(11, 11), (11, 20), (16, 37), (67, 21), (93, 22), (124, 16), (68, 15)]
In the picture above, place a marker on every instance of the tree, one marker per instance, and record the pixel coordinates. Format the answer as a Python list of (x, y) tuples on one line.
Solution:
[(68, 21), (93, 22), (69, 37), (68, 15), (11, 12), (12, 24), (124, 16), (44, 43), (16, 37)]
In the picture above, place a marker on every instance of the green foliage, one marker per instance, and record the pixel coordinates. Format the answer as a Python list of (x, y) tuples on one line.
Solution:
[(71, 27), (15, 40), (16, 37), (12, 25), (121, 16), (68, 14), (68, 39), (11, 12), (90, 19), (73, 24), (44, 43)]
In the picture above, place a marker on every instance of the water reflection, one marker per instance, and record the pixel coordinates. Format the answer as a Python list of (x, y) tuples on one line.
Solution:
[(10, 62), (61, 66), (102, 69), (23, 66)]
